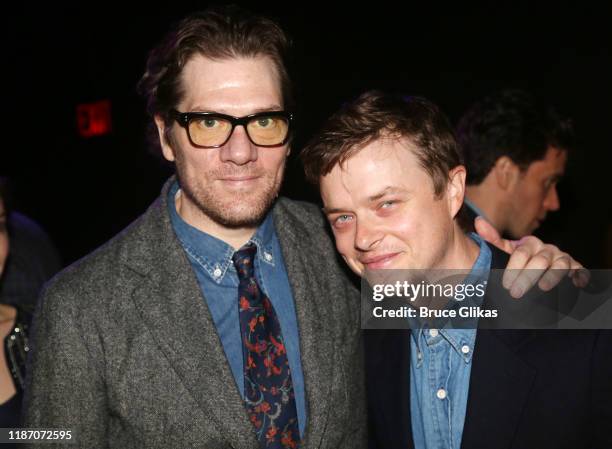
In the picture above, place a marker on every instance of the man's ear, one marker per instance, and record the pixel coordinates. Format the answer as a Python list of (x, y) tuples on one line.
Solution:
[(455, 189), (167, 150), (506, 173)]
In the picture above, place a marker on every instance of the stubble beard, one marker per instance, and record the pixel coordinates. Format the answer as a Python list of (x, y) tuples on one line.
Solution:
[(231, 209)]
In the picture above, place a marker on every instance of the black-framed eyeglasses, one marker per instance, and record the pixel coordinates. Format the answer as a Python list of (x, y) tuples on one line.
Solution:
[(213, 130)]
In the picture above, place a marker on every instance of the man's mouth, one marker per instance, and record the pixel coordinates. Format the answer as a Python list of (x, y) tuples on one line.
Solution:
[(239, 180), (378, 261)]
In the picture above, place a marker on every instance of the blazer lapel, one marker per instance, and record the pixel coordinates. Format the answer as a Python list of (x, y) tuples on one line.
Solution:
[(500, 382), (388, 383), (315, 327), (499, 387), (172, 307)]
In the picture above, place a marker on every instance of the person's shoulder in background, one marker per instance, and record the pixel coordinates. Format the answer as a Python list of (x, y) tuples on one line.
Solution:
[(32, 261)]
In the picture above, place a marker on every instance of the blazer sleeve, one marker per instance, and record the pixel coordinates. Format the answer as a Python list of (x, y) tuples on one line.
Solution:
[(601, 391), (64, 386)]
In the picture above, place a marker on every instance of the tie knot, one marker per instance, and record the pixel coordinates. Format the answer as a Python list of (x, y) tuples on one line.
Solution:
[(244, 260)]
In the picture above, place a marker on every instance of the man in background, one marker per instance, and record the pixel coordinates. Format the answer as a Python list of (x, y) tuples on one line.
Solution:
[(515, 152)]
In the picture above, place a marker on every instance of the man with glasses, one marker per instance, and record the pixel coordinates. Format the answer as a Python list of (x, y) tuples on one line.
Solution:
[(212, 130), (221, 317)]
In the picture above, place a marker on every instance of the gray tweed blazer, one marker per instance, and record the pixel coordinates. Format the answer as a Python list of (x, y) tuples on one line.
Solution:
[(126, 355)]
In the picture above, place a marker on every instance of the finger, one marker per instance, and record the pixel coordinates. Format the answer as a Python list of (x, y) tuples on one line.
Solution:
[(555, 274), (580, 275), (528, 247), (531, 273), (582, 278), (491, 235)]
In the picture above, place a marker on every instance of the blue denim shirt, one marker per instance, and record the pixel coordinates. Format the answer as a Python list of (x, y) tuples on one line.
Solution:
[(440, 367), (211, 260)]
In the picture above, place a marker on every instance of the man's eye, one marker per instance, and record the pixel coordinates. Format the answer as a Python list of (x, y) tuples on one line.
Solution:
[(342, 219), (551, 182), (387, 204), (209, 123), (263, 122)]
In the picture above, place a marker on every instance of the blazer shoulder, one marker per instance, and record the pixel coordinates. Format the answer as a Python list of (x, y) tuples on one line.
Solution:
[(103, 270), (308, 214), (306, 223)]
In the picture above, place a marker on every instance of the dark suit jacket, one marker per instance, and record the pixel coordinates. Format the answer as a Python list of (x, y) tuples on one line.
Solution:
[(126, 354), (529, 389)]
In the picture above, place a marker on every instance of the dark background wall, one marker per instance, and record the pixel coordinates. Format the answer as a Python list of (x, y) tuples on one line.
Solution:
[(85, 190)]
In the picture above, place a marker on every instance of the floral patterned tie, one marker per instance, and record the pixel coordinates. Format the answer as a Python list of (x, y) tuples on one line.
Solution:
[(268, 389)]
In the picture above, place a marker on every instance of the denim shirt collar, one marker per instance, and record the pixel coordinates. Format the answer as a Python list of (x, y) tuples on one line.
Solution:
[(213, 254), (460, 338)]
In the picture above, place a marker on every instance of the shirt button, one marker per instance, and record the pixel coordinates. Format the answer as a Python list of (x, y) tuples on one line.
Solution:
[(217, 272), (433, 333), (441, 393), (268, 257), (465, 349)]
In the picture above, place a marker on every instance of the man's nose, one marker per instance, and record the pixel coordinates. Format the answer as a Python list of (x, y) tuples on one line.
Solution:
[(551, 202), (238, 148), (367, 236)]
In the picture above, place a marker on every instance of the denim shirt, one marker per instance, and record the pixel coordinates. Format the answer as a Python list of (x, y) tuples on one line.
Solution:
[(211, 260), (440, 367)]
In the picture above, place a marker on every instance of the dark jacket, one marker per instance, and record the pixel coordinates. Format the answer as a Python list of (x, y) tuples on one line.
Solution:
[(529, 389)]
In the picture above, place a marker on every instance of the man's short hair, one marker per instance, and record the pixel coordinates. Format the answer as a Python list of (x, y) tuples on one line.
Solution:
[(376, 115), (510, 123), (217, 33)]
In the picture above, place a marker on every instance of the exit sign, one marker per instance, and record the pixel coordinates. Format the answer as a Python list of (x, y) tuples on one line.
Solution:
[(94, 119)]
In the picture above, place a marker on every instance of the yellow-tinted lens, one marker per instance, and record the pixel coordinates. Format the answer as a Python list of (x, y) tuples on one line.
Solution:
[(265, 130), (209, 131)]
